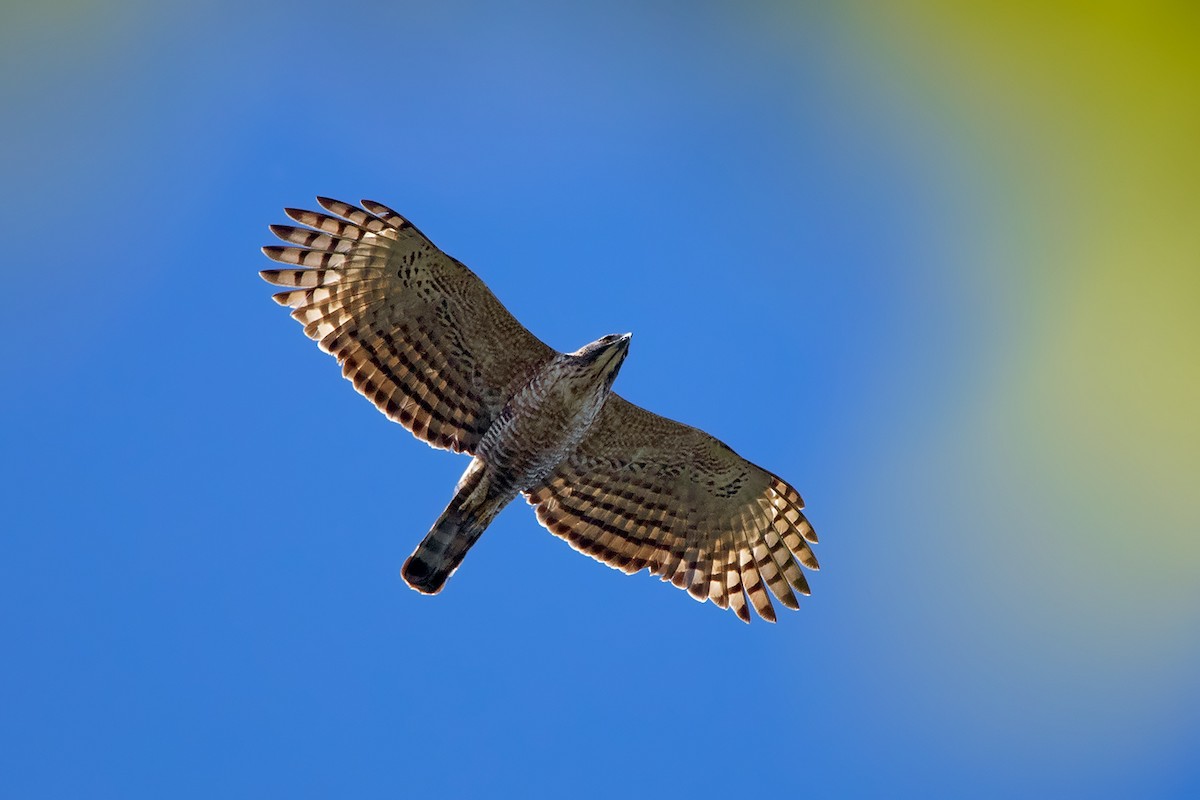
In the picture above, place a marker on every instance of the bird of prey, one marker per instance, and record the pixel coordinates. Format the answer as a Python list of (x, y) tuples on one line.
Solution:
[(421, 337)]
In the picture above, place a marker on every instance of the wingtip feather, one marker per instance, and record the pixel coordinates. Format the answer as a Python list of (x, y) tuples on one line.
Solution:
[(743, 612)]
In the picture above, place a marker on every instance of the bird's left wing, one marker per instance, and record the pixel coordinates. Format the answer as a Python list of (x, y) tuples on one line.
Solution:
[(643, 491), (417, 332)]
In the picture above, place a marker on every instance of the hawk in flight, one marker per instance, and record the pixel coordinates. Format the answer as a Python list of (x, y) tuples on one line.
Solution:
[(423, 338)]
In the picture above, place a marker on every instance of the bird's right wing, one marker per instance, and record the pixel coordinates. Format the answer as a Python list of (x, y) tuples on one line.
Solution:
[(643, 491), (417, 333)]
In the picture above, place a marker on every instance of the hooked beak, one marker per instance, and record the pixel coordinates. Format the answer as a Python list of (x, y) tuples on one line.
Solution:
[(617, 349), (623, 343)]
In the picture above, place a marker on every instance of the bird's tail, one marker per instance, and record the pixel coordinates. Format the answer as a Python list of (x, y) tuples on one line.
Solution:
[(456, 530)]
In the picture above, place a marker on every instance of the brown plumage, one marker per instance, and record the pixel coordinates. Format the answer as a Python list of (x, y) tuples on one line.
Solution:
[(424, 339)]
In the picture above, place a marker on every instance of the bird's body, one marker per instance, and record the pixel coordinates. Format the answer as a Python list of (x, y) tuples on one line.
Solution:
[(422, 337), (547, 417), (539, 427)]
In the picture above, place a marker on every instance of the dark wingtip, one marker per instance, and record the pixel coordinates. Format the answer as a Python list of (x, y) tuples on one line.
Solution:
[(331, 205)]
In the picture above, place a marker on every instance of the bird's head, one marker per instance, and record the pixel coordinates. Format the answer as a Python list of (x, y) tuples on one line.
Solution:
[(602, 358)]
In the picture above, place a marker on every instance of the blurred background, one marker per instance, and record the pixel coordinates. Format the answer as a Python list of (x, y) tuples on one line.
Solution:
[(937, 264)]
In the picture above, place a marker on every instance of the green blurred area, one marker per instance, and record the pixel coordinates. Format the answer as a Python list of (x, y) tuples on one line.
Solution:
[(1059, 494), (1088, 118)]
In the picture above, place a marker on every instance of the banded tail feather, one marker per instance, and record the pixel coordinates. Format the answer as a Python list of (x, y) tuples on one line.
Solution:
[(438, 555)]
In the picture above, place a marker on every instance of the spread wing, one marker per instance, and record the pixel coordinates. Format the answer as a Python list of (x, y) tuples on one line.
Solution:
[(642, 491), (418, 334)]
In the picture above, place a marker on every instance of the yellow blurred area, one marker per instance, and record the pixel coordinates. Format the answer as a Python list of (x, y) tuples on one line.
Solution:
[(1063, 489), (1089, 115)]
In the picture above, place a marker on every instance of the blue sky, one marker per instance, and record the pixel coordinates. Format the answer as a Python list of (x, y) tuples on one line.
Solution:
[(204, 524)]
